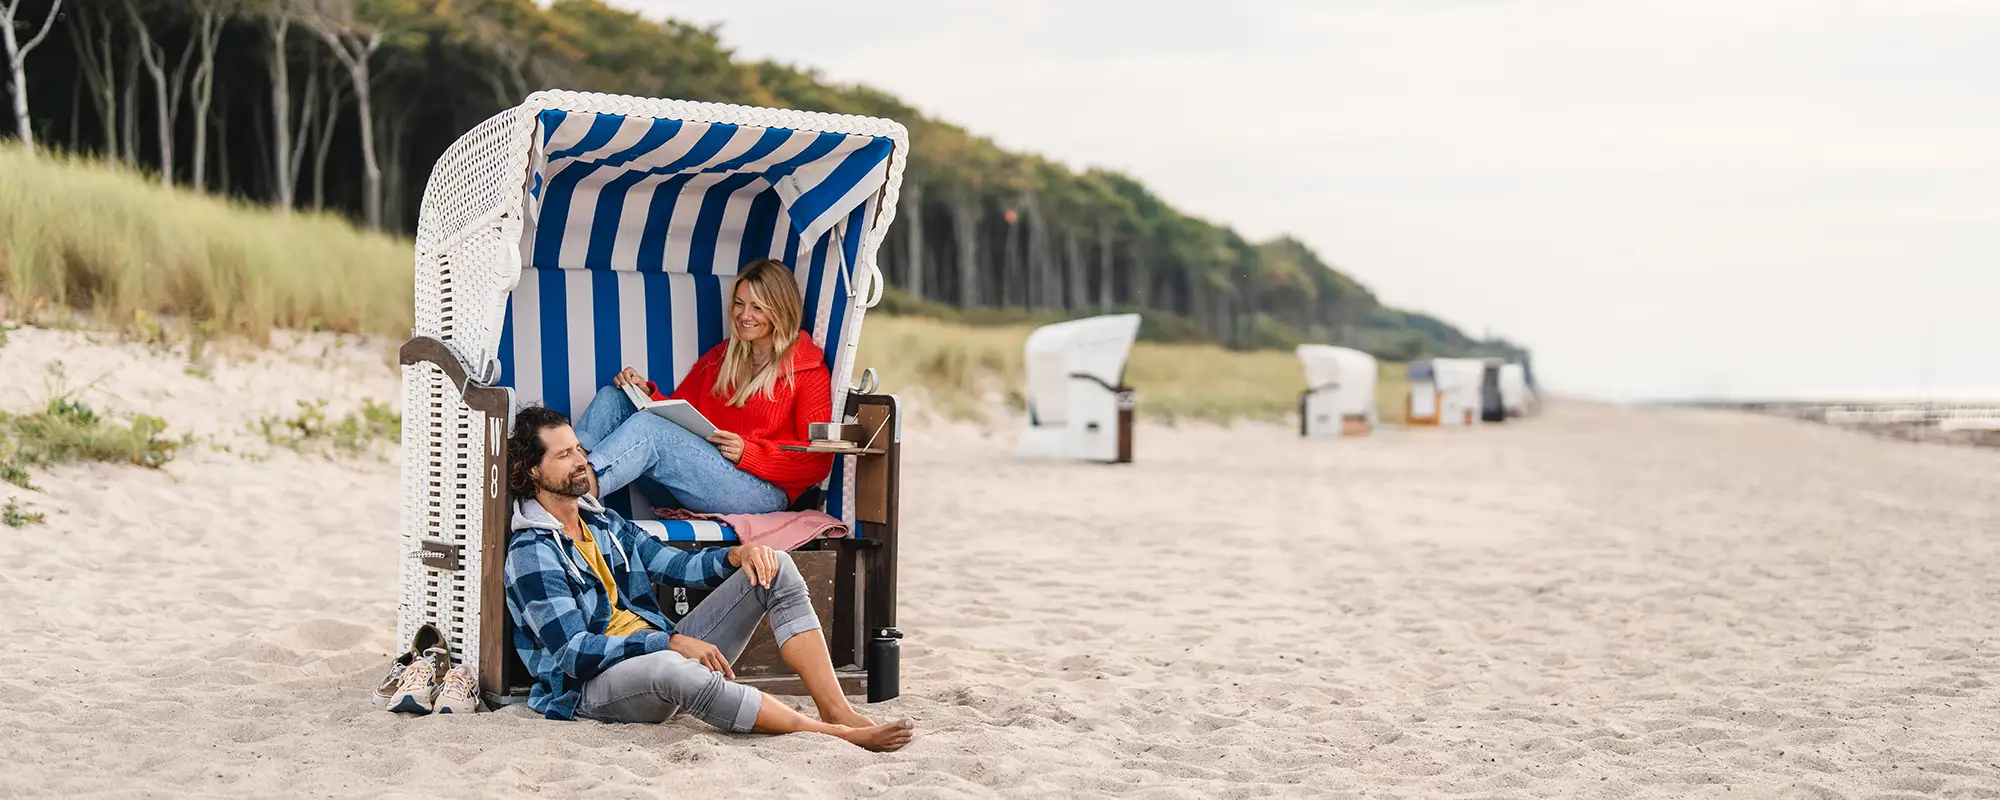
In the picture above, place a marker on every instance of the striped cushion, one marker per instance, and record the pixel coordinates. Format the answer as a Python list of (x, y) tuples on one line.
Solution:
[(678, 530), (635, 231)]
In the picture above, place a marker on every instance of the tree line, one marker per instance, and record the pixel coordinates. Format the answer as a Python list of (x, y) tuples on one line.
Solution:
[(344, 105)]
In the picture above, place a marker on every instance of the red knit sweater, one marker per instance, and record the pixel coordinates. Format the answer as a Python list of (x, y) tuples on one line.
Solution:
[(765, 423)]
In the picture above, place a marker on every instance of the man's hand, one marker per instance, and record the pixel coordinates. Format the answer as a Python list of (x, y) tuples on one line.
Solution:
[(629, 376), (760, 561), (701, 653), (729, 444)]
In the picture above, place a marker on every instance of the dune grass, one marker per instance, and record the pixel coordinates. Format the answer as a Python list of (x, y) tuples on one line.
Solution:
[(311, 430), (962, 368), (13, 515), (98, 239), (66, 430)]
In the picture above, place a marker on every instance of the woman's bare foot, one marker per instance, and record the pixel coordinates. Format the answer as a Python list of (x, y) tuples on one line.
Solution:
[(887, 737), (848, 717)]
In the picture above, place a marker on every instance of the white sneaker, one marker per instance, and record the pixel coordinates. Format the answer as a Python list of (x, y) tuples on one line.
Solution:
[(460, 692), (426, 638), (385, 692), (419, 689)]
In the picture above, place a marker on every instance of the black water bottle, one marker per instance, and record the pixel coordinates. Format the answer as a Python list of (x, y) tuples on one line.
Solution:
[(885, 652)]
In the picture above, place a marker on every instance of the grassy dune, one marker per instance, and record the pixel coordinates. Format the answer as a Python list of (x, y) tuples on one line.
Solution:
[(86, 238), (101, 241)]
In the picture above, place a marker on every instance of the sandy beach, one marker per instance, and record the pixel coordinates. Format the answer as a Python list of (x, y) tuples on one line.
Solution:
[(1600, 602)]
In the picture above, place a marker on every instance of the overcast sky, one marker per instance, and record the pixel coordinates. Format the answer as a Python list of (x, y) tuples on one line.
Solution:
[(1659, 198)]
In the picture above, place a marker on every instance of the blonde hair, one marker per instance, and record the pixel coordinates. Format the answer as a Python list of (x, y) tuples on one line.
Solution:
[(776, 292)]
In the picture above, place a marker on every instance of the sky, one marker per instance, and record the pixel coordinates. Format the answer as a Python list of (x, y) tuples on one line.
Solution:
[(1717, 199)]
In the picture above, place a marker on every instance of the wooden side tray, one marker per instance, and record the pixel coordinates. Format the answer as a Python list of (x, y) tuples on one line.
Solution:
[(840, 451)]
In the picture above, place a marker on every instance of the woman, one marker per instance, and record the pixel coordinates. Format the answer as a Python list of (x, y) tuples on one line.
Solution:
[(761, 387)]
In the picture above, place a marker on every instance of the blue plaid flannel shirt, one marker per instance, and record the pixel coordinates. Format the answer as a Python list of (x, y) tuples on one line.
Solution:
[(560, 609)]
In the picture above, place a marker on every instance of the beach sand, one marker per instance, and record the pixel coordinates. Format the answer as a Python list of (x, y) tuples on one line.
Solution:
[(1599, 602)]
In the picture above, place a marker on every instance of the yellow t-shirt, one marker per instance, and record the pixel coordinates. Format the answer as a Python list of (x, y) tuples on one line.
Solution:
[(623, 621)]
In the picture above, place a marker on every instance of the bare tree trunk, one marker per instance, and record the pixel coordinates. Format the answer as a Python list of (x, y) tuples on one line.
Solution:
[(308, 110), (1104, 285), (1073, 260), (284, 165), (965, 233), (328, 124), (130, 117), (167, 87), (75, 110), (1034, 254), (1010, 253), (17, 64), (96, 59), (395, 133), (913, 270), (208, 31), (222, 145), (354, 52)]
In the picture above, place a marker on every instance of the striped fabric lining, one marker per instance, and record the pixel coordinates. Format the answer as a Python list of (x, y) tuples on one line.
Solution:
[(701, 198), (636, 231), (678, 530)]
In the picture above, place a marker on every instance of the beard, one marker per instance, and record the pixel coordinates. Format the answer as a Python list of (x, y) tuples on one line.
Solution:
[(576, 485)]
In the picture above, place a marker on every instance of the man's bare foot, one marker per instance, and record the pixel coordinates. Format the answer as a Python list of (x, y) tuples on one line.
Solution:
[(849, 717), (887, 737)]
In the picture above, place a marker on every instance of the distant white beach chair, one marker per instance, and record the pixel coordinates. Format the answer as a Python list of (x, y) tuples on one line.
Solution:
[(576, 234), (1422, 406), (1340, 391), (1078, 404), (1460, 387), (1515, 395)]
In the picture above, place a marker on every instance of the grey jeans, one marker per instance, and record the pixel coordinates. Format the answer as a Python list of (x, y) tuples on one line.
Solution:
[(658, 686)]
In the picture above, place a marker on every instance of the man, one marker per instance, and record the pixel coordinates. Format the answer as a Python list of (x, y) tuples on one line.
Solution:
[(580, 586)]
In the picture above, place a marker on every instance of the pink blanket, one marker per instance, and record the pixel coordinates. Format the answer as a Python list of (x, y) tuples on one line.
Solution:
[(778, 530)]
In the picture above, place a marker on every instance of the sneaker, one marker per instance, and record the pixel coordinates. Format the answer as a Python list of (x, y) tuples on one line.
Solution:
[(460, 692), (426, 637), (419, 689), (387, 691)]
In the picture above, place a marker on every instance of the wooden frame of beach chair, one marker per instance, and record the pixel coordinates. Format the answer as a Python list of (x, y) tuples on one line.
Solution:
[(1078, 404), (572, 235)]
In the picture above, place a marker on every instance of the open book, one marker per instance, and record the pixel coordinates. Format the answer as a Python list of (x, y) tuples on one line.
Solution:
[(678, 412)]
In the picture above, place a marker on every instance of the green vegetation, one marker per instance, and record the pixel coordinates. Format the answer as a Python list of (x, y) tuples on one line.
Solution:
[(310, 429), (13, 516), (66, 430), (16, 474), (980, 229)]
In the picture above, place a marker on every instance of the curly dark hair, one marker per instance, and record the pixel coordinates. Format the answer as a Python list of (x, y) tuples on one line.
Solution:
[(525, 447)]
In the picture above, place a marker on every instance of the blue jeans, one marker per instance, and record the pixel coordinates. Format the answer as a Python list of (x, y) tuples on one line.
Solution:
[(658, 686), (625, 445)]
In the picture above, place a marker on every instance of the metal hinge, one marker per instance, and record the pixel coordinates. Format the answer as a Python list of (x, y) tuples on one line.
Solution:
[(439, 554)]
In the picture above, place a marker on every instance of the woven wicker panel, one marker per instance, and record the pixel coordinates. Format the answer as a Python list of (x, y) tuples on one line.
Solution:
[(442, 440)]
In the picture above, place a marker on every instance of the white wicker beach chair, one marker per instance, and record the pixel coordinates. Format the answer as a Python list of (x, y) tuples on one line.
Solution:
[(1460, 386), (578, 233), (1078, 404), (1340, 391), (1514, 392)]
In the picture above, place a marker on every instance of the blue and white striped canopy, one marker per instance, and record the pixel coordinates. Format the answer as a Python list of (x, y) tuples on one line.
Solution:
[(635, 229)]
